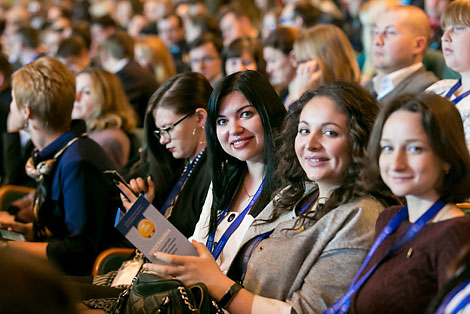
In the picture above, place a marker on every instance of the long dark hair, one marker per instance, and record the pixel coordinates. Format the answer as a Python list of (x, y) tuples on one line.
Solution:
[(226, 170), (444, 129), (184, 93), (360, 109)]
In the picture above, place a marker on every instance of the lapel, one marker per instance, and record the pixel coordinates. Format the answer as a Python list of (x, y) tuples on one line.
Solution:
[(259, 226), (401, 88)]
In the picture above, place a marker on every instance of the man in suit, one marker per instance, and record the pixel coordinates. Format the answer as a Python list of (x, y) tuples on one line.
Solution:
[(117, 56), (401, 39)]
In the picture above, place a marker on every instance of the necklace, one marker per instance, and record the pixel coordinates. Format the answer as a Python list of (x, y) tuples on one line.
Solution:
[(246, 192)]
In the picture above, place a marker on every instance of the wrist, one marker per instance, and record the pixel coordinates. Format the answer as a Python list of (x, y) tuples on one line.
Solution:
[(229, 295)]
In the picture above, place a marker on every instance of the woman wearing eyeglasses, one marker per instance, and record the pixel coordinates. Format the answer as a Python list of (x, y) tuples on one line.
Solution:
[(175, 153)]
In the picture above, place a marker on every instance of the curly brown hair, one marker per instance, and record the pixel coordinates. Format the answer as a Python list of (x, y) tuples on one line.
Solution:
[(361, 109)]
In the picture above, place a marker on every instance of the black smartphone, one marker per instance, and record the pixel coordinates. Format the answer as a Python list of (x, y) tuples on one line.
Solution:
[(116, 177)]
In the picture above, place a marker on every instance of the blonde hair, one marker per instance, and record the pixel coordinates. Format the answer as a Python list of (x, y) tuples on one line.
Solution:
[(329, 46), (47, 87), (456, 13), (157, 55), (111, 109)]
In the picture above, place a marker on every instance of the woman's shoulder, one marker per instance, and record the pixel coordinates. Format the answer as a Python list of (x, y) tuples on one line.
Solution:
[(364, 206), (109, 135), (441, 87), (357, 216)]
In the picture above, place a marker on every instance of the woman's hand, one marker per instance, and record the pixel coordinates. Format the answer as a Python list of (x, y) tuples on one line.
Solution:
[(194, 269), (138, 187), (25, 228), (307, 77)]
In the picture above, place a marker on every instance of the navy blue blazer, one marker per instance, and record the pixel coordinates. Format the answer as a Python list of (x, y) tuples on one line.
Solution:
[(80, 204)]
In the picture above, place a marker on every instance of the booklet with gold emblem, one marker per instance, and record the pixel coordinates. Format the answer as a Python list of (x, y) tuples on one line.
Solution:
[(149, 231)]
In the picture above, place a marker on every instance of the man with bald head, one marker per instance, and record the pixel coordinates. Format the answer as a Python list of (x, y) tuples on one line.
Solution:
[(400, 40)]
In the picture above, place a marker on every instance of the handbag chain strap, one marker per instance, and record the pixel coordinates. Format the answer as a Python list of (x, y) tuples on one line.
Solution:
[(185, 298)]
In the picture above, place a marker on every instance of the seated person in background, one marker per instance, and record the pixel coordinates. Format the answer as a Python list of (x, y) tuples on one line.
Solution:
[(237, 20), (171, 31), (280, 61), (314, 236), (323, 55), (74, 53), (401, 39), (152, 54), (117, 56), (300, 14), (15, 147), (32, 286), (417, 149), (100, 101), (244, 53), (24, 47), (205, 56), (455, 45), (75, 204)]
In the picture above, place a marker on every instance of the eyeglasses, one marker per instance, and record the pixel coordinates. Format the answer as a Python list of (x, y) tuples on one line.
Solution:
[(166, 131), (205, 59)]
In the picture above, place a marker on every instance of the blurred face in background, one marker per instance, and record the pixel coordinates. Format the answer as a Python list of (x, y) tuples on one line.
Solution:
[(246, 61), (279, 67), (206, 60), (84, 100)]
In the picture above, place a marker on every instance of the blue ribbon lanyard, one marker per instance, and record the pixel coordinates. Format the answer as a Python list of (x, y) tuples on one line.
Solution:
[(307, 206), (453, 89), (177, 188), (342, 305), (215, 251), (464, 302)]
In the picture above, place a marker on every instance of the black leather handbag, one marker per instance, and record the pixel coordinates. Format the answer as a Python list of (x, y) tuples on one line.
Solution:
[(150, 293)]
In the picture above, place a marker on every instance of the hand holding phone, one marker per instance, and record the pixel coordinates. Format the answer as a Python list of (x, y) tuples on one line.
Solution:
[(121, 184)]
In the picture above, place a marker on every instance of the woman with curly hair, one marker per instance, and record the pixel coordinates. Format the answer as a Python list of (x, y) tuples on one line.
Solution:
[(100, 101)]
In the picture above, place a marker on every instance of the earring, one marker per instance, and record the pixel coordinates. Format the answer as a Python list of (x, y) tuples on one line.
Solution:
[(25, 124), (195, 130)]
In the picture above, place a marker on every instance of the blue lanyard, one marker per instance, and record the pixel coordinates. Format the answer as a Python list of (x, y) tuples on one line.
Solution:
[(177, 188), (453, 89), (464, 302), (342, 305), (215, 251), (307, 206)]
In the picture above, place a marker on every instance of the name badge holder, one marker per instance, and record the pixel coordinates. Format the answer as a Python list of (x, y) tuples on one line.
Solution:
[(342, 305), (215, 251)]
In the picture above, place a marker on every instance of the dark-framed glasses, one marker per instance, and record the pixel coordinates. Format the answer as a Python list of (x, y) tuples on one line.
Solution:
[(165, 133)]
